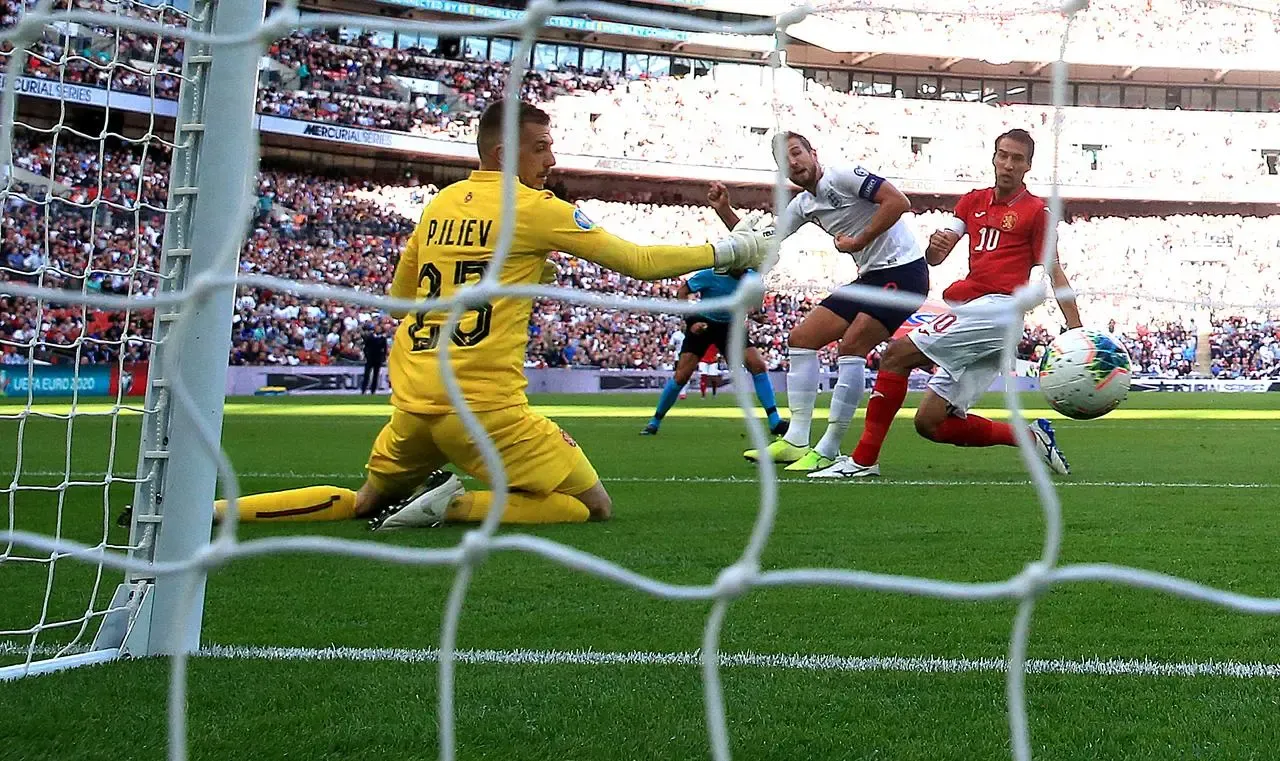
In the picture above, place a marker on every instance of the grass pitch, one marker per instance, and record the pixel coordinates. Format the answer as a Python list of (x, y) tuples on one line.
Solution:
[(1181, 484)]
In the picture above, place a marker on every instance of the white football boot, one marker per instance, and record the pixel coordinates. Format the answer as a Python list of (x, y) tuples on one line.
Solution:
[(845, 467), (425, 508), (1047, 445)]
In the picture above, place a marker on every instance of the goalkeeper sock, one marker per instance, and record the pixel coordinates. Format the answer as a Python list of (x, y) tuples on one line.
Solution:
[(886, 399), (555, 507), (974, 431), (764, 392), (802, 392), (670, 393), (311, 503)]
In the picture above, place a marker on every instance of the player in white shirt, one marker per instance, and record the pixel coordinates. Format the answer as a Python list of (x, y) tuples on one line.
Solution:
[(863, 213)]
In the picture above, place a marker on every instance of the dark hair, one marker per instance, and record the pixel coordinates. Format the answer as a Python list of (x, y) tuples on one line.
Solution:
[(489, 132), (783, 137), (1019, 136)]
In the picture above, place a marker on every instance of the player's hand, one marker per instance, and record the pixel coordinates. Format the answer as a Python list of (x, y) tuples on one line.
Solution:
[(718, 196), (549, 273), (697, 328), (743, 249), (941, 243), (849, 244)]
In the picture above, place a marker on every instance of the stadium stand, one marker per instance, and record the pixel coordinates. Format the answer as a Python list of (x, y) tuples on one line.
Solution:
[(349, 233)]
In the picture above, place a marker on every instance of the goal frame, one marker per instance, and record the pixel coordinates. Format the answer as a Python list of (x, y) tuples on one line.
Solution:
[(211, 175)]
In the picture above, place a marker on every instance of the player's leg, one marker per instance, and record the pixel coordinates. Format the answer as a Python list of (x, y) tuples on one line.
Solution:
[(579, 497), (864, 334), (709, 366), (549, 477), (671, 391), (759, 370), (870, 324), (899, 359), (402, 460), (818, 328), (944, 417), (309, 503), (404, 476)]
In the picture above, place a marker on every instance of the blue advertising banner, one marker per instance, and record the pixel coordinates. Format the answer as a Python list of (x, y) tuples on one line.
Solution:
[(55, 380)]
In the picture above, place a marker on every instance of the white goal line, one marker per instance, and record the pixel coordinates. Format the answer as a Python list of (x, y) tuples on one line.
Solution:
[(779, 661)]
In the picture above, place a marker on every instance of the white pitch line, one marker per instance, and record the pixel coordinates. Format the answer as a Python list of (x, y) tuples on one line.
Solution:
[(783, 481), (787, 662)]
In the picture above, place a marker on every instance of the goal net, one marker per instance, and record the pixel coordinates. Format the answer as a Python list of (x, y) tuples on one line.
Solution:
[(87, 204), (120, 274)]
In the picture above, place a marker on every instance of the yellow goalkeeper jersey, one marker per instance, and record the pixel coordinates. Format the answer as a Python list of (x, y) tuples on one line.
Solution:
[(453, 245)]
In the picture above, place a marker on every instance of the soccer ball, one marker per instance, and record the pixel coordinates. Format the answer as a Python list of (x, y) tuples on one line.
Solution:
[(1085, 373)]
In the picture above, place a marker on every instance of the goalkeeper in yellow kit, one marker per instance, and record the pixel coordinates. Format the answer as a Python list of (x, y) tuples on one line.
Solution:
[(550, 478)]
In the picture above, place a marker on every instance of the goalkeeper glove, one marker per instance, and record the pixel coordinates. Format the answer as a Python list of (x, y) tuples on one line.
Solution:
[(743, 249)]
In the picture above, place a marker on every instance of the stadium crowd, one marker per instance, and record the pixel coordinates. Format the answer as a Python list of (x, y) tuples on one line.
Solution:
[(716, 119), (1135, 31), (103, 232)]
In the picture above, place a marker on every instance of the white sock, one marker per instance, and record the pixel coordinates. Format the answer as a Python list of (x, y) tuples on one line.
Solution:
[(844, 402), (802, 392)]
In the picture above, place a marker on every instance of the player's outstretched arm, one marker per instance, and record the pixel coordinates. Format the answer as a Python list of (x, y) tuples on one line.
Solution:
[(718, 197), (891, 204), (563, 228), (1066, 301)]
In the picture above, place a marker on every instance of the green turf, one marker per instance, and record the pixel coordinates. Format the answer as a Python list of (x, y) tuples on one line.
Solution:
[(966, 523)]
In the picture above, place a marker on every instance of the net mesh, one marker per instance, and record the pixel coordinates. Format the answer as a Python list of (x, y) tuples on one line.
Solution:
[(83, 215), (129, 212)]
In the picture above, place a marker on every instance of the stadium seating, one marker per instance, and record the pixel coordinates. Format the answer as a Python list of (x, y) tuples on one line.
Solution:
[(349, 233)]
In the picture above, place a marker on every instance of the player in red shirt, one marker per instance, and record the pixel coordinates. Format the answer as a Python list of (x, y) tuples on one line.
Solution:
[(1007, 226), (709, 370)]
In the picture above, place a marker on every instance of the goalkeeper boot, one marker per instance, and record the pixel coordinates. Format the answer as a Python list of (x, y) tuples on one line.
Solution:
[(650, 430), (779, 451), (845, 467), (1047, 445), (424, 508), (781, 428), (810, 462)]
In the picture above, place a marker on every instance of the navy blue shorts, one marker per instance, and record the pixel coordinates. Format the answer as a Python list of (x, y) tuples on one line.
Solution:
[(912, 277), (715, 334)]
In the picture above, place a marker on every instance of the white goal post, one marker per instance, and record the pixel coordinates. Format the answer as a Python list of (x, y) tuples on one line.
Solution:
[(214, 161)]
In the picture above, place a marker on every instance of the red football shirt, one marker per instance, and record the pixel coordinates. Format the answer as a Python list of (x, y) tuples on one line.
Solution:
[(1005, 238)]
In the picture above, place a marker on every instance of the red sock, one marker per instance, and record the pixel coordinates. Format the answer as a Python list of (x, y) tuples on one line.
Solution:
[(702, 384), (974, 431), (886, 399)]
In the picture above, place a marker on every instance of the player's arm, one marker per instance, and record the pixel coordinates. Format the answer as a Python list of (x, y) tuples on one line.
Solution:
[(405, 283), (944, 239), (718, 197), (890, 203), (558, 226)]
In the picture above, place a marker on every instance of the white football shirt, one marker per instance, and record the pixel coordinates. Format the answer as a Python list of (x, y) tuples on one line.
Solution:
[(844, 205)]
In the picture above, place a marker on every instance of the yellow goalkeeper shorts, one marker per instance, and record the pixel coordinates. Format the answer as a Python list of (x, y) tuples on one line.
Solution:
[(538, 456)]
